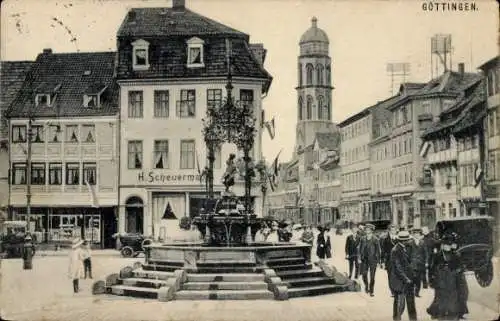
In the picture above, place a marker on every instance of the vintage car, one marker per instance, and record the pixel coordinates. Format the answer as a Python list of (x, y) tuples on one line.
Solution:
[(475, 244), (12, 238), (132, 244), (381, 226)]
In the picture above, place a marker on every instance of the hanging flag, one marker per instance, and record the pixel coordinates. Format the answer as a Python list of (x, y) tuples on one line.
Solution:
[(93, 195), (478, 174), (271, 184), (228, 54), (198, 164), (299, 195), (424, 149), (271, 129)]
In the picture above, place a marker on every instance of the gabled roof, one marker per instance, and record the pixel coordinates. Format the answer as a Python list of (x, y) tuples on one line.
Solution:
[(329, 141), (490, 63), (141, 22), (63, 76), (12, 76)]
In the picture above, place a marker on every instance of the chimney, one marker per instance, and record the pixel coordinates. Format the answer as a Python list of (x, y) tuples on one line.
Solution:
[(178, 4), (258, 52), (461, 68), (47, 51), (131, 16)]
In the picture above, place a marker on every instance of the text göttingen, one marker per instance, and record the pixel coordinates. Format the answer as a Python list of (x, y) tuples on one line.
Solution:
[(442, 6), (153, 177)]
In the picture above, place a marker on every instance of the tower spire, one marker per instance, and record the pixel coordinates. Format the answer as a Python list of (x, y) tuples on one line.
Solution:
[(314, 22)]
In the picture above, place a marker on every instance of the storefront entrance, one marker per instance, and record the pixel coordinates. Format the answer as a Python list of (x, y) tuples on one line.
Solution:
[(134, 209)]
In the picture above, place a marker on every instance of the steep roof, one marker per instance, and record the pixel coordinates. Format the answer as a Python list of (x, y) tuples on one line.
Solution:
[(329, 141), (490, 63), (141, 22), (12, 76), (67, 77)]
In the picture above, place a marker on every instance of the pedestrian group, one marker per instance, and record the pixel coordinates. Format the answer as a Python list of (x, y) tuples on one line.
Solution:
[(413, 259)]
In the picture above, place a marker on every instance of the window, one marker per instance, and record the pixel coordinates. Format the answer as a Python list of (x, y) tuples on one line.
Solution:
[(135, 104), (135, 154), (54, 134), (19, 173), (187, 154), (160, 154), (497, 124), (195, 52), (301, 106), (90, 101), (246, 97), (491, 83), (37, 134), (55, 174), (214, 98), (309, 74), (328, 76), (319, 74), (161, 109), (300, 74), (218, 158), (90, 173), (309, 107), (426, 107), (19, 134), (88, 133), (187, 106), (38, 173), (320, 107), (140, 54), (72, 174), (404, 113), (72, 133), (43, 100)]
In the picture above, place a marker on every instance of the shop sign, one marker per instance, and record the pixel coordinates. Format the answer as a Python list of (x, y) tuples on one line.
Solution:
[(153, 177)]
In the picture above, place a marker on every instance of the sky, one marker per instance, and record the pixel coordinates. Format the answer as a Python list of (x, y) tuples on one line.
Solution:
[(364, 36)]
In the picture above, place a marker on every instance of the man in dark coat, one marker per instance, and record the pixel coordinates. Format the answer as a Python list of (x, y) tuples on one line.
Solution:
[(369, 257), (386, 245), (419, 258), (351, 251), (401, 278)]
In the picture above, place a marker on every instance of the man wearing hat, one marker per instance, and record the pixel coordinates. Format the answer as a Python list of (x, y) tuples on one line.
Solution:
[(419, 258), (369, 257), (401, 278), (351, 251), (429, 242), (386, 245)]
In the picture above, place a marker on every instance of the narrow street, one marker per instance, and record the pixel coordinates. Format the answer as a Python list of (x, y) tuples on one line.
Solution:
[(46, 293)]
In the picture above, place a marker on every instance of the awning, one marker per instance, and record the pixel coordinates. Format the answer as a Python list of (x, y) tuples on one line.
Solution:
[(401, 195)]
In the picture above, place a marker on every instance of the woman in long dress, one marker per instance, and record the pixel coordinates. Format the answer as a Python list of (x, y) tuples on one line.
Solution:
[(75, 270), (447, 277)]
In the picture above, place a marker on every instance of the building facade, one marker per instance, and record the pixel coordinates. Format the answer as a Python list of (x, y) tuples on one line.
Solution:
[(12, 75), (355, 163), (168, 78), (452, 142), (73, 125), (491, 70)]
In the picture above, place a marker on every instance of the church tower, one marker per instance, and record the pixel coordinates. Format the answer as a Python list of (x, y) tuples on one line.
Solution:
[(314, 90)]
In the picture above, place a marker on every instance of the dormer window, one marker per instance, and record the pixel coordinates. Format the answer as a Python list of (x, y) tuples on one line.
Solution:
[(195, 52), (140, 55), (43, 100), (92, 95)]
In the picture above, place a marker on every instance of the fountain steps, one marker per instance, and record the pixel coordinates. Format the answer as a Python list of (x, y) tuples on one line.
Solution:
[(135, 291), (151, 274), (229, 277), (296, 292), (225, 295), (202, 286)]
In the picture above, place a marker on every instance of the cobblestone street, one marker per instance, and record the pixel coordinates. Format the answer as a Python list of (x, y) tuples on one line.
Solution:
[(45, 293)]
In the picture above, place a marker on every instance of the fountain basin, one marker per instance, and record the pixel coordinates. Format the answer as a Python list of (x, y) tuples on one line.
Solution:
[(196, 257)]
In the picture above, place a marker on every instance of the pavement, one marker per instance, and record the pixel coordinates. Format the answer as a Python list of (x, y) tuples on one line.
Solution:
[(45, 293)]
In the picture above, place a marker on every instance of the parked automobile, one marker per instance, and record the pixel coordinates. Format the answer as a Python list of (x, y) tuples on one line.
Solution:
[(475, 244), (381, 226), (12, 238), (132, 244)]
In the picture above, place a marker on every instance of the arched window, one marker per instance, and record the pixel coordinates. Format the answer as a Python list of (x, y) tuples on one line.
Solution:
[(301, 106), (320, 107), (309, 75), (309, 107), (300, 74), (326, 110), (319, 74), (328, 76)]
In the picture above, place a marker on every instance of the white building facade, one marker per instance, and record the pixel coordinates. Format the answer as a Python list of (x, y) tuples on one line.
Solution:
[(164, 101)]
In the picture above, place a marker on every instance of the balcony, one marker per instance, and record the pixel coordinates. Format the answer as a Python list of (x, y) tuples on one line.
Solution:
[(426, 181), (443, 156)]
